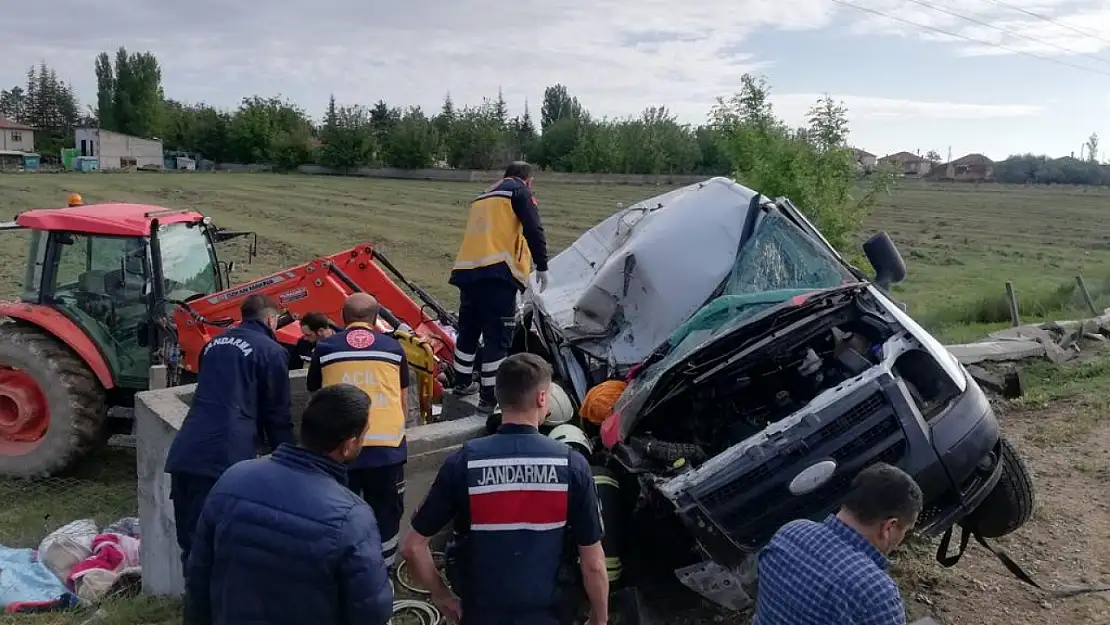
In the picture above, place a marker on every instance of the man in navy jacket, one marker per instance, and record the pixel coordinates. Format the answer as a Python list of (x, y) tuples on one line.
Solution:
[(282, 540), (242, 389)]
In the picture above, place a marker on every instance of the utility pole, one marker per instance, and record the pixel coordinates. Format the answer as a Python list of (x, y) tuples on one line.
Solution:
[(949, 154)]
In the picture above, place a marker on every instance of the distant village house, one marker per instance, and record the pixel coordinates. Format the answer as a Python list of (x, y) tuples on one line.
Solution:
[(16, 137), (115, 150), (864, 159), (970, 168), (908, 163)]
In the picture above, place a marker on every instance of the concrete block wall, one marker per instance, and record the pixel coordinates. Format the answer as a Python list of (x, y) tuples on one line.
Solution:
[(158, 417)]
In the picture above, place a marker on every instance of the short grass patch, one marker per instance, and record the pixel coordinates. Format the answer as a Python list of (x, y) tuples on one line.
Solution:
[(961, 242), (101, 487), (1078, 392)]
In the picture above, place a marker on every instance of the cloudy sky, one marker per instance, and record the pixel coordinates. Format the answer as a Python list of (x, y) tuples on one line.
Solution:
[(1009, 76)]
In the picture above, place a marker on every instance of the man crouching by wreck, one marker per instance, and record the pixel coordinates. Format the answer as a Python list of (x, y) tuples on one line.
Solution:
[(835, 572)]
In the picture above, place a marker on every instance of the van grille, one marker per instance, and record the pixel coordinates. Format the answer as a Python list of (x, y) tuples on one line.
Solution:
[(751, 506)]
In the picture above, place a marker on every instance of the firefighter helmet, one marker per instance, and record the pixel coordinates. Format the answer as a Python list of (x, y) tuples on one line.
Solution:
[(559, 407), (75, 199), (573, 436)]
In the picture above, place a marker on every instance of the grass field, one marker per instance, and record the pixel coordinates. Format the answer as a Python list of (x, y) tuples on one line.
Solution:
[(961, 244)]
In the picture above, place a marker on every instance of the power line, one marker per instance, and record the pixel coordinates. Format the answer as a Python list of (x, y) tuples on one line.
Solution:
[(1085, 33), (970, 39), (973, 20)]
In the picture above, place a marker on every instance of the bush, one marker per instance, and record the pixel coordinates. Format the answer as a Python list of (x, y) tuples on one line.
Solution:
[(813, 166)]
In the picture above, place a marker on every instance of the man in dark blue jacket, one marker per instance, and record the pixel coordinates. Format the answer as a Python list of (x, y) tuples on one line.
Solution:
[(282, 541), (242, 389)]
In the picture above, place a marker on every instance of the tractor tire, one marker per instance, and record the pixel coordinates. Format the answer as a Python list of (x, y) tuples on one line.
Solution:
[(1010, 505), (41, 377)]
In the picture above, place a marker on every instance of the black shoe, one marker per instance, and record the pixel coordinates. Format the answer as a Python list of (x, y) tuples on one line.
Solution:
[(465, 390), (493, 418), (487, 406)]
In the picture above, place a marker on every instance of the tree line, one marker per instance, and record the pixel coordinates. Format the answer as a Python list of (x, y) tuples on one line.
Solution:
[(812, 164), (273, 130), (1040, 169), (566, 137), (47, 104)]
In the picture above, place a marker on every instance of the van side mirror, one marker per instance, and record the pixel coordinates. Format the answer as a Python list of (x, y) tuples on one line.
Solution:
[(883, 255)]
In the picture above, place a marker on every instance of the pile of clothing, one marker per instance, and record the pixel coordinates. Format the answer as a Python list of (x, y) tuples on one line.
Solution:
[(75, 564)]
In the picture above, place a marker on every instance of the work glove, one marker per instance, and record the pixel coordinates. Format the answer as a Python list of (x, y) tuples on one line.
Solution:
[(541, 281)]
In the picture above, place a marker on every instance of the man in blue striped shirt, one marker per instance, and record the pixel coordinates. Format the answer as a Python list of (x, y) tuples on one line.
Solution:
[(835, 572)]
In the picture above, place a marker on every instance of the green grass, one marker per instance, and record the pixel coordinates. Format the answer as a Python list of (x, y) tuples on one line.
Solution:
[(101, 487), (1081, 390), (136, 611), (961, 242)]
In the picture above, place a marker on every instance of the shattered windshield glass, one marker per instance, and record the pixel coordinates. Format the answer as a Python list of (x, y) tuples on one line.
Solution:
[(779, 262)]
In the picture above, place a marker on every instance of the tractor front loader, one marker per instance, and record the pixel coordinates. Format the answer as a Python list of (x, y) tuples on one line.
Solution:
[(111, 289)]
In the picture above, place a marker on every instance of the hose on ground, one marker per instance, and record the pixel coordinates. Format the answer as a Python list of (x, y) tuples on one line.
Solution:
[(407, 584), (424, 611)]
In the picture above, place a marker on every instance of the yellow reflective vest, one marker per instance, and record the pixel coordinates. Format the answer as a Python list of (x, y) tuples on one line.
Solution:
[(494, 234), (370, 360)]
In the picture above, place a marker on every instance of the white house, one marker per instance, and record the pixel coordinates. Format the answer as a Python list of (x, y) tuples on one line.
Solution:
[(16, 137), (116, 150)]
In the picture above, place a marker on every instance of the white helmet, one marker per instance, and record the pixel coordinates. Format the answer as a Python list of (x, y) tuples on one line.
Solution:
[(573, 436), (560, 410)]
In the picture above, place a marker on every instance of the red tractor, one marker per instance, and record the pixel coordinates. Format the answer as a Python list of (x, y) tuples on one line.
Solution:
[(111, 289)]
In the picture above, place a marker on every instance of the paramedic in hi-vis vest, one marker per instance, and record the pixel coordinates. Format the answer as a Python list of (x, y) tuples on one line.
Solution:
[(374, 362), (503, 237)]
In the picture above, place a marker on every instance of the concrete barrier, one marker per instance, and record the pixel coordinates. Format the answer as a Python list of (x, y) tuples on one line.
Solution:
[(158, 417)]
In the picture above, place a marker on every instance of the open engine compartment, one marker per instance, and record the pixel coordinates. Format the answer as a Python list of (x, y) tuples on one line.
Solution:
[(777, 375)]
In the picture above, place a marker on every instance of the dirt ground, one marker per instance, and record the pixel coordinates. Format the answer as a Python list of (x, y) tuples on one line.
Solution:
[(1062, 430), (1066, 444)]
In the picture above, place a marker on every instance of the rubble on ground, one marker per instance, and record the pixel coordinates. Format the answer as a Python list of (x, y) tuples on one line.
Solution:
[(1057, 341)]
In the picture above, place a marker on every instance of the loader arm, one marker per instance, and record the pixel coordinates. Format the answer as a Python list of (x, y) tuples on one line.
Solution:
[(320, 285)]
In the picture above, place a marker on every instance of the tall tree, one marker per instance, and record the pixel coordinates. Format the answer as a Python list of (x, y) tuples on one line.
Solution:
[(812, 166), (828, 124), (383, 119), (1092, 147), (136, 93), (557, 105), (501, 110), (47, 104), (522, 136), (14, 104), (105, 91), (413, 143), (271, 131), (348, 138), (476, 140)]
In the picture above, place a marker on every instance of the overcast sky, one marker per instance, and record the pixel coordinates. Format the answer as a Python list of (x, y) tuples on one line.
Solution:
[(906, 87)]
